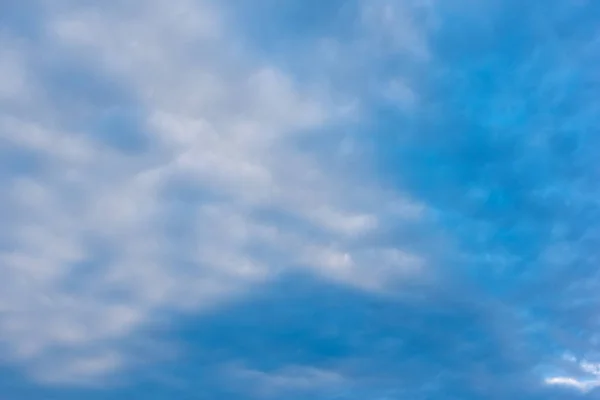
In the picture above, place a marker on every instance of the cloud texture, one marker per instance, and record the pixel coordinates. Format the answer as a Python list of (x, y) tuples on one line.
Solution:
[(364, 199)]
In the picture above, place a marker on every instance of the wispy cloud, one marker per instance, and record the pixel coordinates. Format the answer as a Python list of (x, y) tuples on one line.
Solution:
[(289, 379), (400, 27)]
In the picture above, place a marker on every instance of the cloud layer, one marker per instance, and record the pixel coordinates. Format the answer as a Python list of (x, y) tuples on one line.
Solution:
[(373, 199), (162, 170)]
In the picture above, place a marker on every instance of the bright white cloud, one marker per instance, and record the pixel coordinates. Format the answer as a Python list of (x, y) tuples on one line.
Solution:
[(89, 258), (581, 384)]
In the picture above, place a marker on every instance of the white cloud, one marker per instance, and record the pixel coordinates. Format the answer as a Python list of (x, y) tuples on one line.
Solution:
[(89, 259), (581, 384)]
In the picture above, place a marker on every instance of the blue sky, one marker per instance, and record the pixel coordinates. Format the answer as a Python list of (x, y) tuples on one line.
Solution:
[(359, 199)]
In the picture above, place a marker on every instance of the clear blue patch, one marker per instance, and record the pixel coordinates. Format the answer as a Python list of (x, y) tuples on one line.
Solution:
[(273, 26), (22, 18), (95, 104), (122, 129), (16, 162)]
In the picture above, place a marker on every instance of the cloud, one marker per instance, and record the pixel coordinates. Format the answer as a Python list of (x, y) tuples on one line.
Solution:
[(164, 169), (399, 27), (288, 379), (155, 162), (582, 384), (13, 83)]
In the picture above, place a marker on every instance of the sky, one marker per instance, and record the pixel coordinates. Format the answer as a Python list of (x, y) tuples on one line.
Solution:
[(292, 199)]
